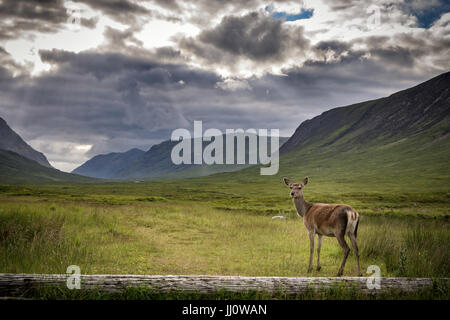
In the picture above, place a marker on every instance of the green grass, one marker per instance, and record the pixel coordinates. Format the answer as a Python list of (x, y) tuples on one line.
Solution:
[(16, 169), (177, 237)]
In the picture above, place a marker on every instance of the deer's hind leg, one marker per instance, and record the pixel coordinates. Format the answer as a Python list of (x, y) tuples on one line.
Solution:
[(341, 239), (355, 247)]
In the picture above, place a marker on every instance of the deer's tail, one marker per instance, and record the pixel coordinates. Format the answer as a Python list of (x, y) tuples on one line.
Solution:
[(356, 227), (352, 222)]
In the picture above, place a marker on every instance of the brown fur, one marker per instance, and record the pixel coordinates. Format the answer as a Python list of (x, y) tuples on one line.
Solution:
[(331, 220)]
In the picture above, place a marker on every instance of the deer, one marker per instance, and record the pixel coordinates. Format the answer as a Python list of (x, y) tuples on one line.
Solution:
[(331, 220)]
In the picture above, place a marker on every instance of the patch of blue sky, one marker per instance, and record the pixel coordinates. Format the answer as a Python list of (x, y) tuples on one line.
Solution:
[(303, 14), (427, 16)]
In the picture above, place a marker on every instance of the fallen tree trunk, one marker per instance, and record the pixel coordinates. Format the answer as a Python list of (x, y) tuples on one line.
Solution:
[(15, 284)]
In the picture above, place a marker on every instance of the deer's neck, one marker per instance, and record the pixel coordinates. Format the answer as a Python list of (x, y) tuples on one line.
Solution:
[(301, 205)]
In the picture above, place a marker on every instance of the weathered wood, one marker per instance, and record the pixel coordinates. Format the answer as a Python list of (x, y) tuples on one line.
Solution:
[(13, 284)]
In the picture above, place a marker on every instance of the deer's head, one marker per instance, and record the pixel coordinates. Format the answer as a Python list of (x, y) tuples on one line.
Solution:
[(296, 188)]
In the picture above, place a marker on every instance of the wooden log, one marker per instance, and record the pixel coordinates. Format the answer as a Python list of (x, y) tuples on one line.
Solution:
[(15, 284)]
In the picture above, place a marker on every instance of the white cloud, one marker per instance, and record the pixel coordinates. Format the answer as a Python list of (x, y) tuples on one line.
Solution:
[(160, 33), (59, 152), (233, 85)]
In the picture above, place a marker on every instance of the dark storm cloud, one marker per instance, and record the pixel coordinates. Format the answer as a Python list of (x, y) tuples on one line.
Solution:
[(114, 65), (340, 5), (254, 36), (335, 50), (49, 16), (89, 23), (7, 66), (45, 16), (119, 41), (116, 39), (168, 4), (425, 45), (115, 6), (122, 10), (338, 47), (396, 55), (386, 55), (407, 52), (109, 100), (52, 11), (17, 16)]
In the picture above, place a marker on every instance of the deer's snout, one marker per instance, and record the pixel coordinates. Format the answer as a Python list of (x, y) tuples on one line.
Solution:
[(292, 194)]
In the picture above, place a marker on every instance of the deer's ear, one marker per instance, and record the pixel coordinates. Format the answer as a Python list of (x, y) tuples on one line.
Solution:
[(305, 181), (287, 181)]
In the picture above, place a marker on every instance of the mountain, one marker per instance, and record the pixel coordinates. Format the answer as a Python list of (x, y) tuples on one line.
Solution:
[(10, 140), (397, 141), (17, 169), (154, 163), (108, 165), (419, 111), (157, 163)]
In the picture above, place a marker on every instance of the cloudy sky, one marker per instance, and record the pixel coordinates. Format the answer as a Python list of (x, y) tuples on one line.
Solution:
[(79, 78)]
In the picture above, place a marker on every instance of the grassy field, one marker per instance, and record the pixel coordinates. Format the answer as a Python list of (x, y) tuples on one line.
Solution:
[(165, 229)]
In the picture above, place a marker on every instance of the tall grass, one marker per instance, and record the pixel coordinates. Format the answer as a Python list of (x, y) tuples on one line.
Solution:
[(407, 247), (35, 240), (175, 238), (426, 252)]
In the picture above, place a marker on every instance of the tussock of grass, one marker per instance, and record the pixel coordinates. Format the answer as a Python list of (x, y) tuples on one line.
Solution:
[(408, 248), (35, 240), (48, 238)]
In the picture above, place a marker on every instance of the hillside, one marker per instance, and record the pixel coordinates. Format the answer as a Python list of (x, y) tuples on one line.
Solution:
[(10, 140), (108, 165), (423, 109), (16, 169)]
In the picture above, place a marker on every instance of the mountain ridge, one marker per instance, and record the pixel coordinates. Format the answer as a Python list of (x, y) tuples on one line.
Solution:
[(11, 141), (402, 114), (17, 169), (107, 165)]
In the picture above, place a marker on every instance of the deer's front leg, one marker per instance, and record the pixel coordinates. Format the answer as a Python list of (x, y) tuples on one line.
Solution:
[(312, 234)]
